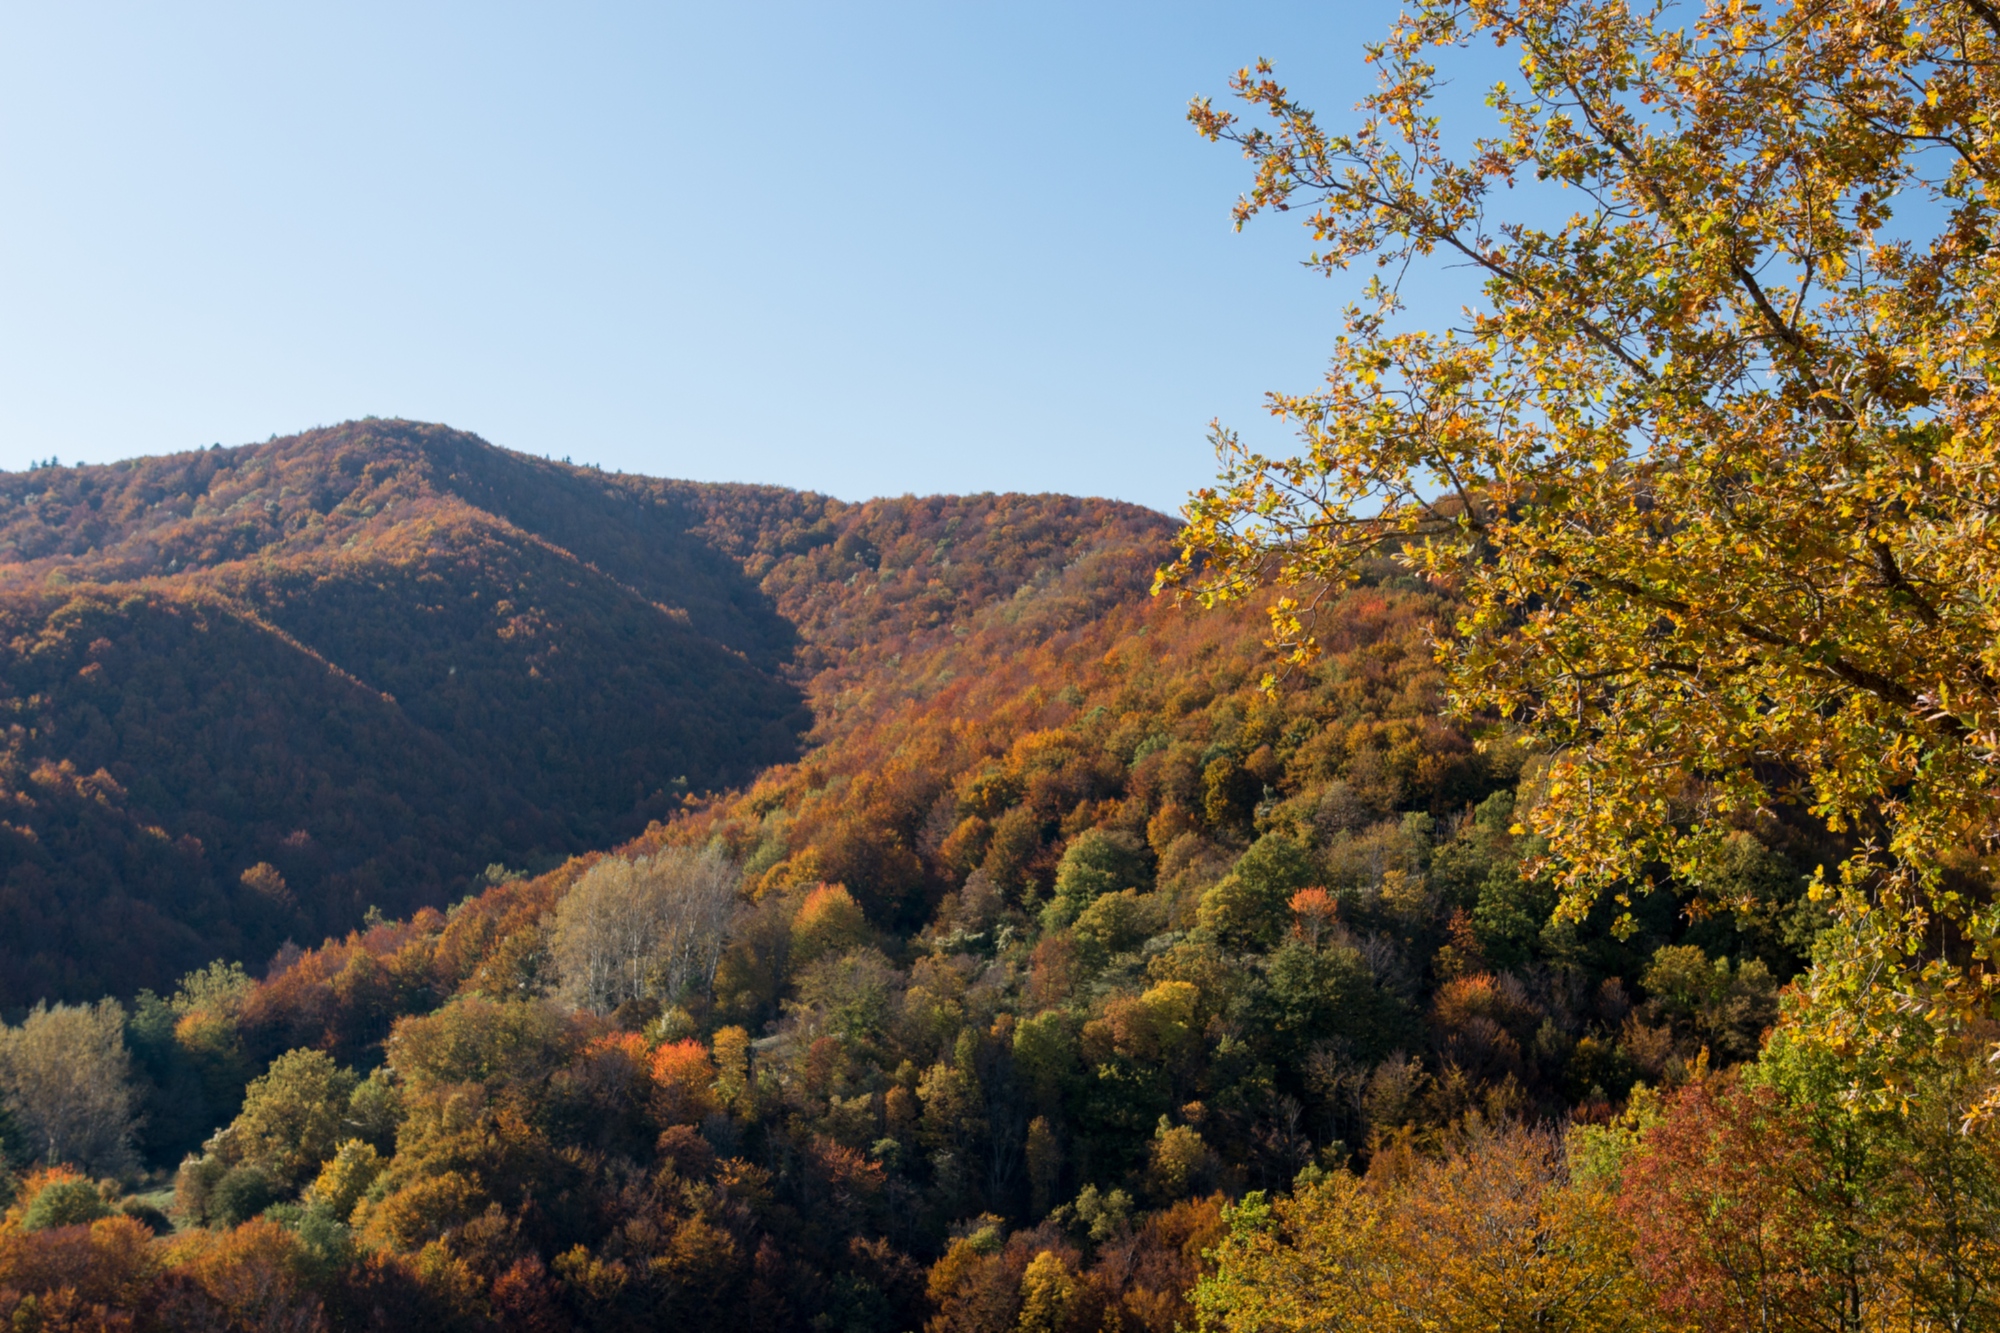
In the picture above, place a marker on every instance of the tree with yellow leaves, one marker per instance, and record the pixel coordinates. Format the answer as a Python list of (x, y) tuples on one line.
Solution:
[(1713, 461), (1494, 1235)]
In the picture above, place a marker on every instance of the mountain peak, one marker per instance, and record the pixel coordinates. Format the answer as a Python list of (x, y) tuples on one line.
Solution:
[(377, 657)]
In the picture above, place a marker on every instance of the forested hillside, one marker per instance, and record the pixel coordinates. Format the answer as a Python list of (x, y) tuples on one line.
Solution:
[(1537, 872), (1058, 936), (254, 692)]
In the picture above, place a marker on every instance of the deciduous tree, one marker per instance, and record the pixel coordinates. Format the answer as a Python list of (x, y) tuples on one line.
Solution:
[(1712, 456), (67, 1076), (643, 928), (1495, 1235)]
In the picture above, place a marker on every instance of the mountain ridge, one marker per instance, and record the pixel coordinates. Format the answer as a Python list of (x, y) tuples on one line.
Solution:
[(517, 660)]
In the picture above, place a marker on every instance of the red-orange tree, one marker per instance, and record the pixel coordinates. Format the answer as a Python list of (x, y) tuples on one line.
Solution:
[(1712, 460)]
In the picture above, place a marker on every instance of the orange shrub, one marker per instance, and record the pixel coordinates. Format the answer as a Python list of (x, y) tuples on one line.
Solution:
[(254, 1273), (108, 1262), (1313, 913), (683, 1082), (829, 922)]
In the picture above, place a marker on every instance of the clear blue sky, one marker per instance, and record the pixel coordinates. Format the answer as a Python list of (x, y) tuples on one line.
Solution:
[(865, 248)]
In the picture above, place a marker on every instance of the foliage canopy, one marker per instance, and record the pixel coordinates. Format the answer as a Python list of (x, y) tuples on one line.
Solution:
[(1712, 460)]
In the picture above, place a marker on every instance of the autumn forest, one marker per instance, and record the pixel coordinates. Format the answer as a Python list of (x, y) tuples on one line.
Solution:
[(1527, 861)]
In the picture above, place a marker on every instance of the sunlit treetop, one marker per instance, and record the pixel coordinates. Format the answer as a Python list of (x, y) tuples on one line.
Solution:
[(1710, 460)]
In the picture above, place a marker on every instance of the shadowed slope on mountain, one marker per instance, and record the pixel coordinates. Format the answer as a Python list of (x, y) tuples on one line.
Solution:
[(254, 691), (160, 745)]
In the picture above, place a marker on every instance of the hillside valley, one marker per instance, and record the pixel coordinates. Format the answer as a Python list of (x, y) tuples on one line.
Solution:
[(252, 693), (791, 914), (1516, 851)]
